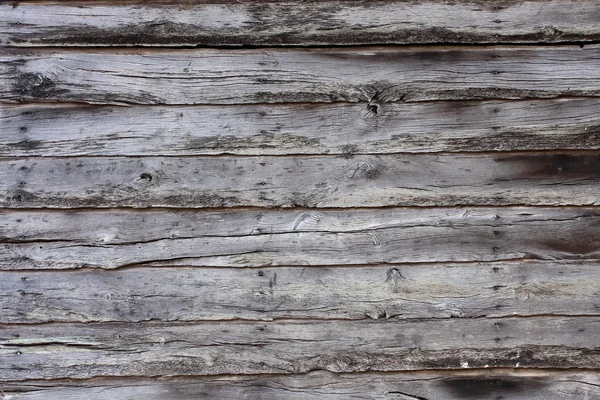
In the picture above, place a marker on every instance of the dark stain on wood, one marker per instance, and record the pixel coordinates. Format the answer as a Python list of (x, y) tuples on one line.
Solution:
[(494, 388), (277, 25), (20, 196), (143, 34), (37, 86), (583, 137), (578, 244), (584, 166), (27, 145), (263, 140), (526, 356)]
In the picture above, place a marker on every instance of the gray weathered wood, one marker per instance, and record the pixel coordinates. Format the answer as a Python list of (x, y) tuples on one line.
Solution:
[(407, 291), (307, 181), (502, 290), (522, 384), (368, 74), (234, 23), (282, 129), (241, 347), (113, 239)]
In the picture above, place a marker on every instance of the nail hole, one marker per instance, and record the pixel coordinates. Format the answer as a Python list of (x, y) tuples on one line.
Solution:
[(373, 108), (146, 176)]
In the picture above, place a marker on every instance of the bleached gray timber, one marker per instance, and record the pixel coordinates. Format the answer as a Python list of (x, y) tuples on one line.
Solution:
[(52, 351), (366, 74), (531, 178), (234, 233), (109, 239), (285, 129), (401, 292), (235, 23), (521, 384)]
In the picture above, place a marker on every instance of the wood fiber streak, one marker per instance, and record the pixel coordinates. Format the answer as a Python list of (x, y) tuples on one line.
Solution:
[(402, 292), (341, 128), (263, 238), (366, 74), (237, 23), (212, 348), (550, 179), (518, 384)]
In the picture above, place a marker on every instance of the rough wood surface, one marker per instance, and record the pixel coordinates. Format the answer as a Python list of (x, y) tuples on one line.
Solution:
[(510, 384), (234, 23), (368, 74), (233, 347), (158, 285), (402, 292), (307, 181), (283, 129), (113, 239)]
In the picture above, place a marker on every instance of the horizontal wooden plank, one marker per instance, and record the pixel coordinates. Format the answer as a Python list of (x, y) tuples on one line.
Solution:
[(283, 129), (235, 23), (210, 348), (375, 75), (113, 239), (402, 292), (307, 181), (448, 385)]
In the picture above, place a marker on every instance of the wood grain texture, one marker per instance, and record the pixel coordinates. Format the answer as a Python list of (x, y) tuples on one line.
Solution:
[(237, 231), (306, 181), (510, 384), (114, 239), (399, 292), (367, 74), (213, 348), (284, 129), (235, 23)]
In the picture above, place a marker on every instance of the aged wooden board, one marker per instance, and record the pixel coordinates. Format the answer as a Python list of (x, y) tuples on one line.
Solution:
[(519, 384), (235, 23), (406, 291), (113, 239), (367, 74), (283, 129), (241, 347), (564, 178)]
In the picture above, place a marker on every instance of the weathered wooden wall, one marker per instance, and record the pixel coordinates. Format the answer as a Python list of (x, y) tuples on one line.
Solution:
[(239, 199)]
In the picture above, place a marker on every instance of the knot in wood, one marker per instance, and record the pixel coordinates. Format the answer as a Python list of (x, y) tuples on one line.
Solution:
[(34, 85)]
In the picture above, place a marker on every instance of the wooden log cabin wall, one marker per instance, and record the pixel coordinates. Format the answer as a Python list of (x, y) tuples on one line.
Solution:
[(239, 199)]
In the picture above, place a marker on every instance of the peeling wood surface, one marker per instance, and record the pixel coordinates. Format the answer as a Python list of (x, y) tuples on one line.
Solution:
[(380, 74), (509, 384), (237, 23), (113, 239), (284, 129), (307, 181), (234, 347), (400, 292)]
